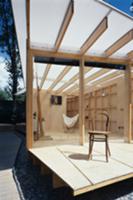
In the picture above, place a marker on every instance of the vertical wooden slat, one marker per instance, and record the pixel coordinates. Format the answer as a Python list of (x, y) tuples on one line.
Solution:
[(81, 102), (127, 103)]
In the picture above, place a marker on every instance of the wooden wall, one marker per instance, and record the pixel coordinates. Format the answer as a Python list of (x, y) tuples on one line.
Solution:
[(51, 113), (110, 98)]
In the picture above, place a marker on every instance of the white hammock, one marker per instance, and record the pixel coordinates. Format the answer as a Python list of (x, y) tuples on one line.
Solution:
[(70, 121)]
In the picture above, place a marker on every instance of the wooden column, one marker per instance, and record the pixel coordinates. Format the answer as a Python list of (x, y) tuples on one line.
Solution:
[(29, 101), (29, 85), (127, 115), (81, 102)]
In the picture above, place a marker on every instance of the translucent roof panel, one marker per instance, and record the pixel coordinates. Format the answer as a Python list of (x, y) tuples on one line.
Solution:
[(47, 84), (46, 19), (87, 15), (124, 50), (102, 76), (73, 71), (19, 12), (54, 71), (92, 71), (39, 68), (60, 84), (118, 25)]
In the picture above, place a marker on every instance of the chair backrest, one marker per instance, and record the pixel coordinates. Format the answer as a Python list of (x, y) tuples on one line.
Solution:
[(107, 120), (105, 114)]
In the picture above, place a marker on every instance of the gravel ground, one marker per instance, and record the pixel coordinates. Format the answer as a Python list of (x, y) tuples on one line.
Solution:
[(33, 186)]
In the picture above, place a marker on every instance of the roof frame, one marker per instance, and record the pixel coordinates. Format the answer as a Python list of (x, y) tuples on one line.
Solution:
[(100, 29), (119, 43), (65, 24), (45, 75), (71, 81), (60, 77), (50, 54), (90, 78), (130, 55)]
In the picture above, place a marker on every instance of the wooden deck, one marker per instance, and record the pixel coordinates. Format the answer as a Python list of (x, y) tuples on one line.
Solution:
[(69, 162)]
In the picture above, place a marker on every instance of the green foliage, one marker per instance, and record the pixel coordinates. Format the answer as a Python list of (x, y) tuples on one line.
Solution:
[(3, 95), (9, 47)]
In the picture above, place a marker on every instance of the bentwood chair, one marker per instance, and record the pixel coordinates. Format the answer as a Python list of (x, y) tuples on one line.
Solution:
[(100, 136)]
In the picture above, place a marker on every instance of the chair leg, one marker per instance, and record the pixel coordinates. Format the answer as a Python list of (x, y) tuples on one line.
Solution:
[(90, 147), (106, 149)]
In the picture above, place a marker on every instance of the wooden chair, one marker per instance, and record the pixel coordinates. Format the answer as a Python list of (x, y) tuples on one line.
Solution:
[(100, 136)]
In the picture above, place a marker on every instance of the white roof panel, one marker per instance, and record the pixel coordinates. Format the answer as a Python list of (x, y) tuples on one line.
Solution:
[(118, 25), (87, 15), (124, 50), (54, 71), (39, 68), (73, 71), (46, 19)]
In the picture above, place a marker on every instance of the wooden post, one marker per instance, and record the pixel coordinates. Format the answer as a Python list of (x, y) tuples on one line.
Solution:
[(127, 114), (29, 86), (130, 123), (81, 102), (29, 101)]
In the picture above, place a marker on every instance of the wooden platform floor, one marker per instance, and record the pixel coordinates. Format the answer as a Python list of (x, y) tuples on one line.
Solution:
[(69, 162)]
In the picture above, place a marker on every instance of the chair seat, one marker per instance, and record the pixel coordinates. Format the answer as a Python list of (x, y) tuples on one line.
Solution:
[(98, 136), (97, 132)]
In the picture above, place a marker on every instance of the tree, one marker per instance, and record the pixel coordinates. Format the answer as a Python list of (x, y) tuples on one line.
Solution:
[(3, 95), (9, 48)]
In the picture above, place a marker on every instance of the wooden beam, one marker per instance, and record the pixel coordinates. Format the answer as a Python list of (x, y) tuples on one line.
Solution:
[(90, 78), (58, 182), (127, 103), (96, 75), (71, 81), (64, 26), (60, 77), (119, 43), (109, 76), (29, 84), (102, 184), (29, 101), (69, 91), (100, 29), (101, 81), (81, 103), (130, 55), (44, 53), (45, 75)]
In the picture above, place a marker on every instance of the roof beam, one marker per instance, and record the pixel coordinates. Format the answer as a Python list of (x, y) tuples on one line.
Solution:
[(96, 75), (130, 55), (90, 78), (100, 29), (45, 53), (119, 43), (64, 26), (45, 75), (71, 81), (101, 81), (60, 77)]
